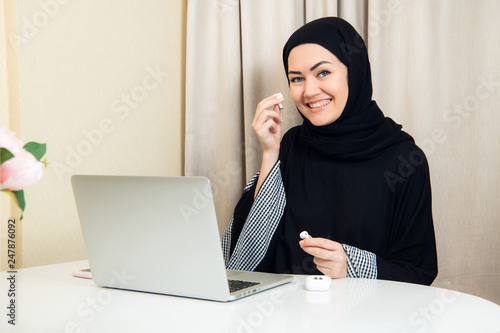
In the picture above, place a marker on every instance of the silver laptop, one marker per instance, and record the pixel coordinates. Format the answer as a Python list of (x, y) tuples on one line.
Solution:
[(159, 235)]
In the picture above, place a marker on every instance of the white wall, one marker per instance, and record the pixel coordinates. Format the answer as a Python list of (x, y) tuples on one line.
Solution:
[(102, 83)]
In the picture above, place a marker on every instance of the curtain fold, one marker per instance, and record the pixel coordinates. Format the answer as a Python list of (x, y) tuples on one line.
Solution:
[(214, 122), (435, 71)]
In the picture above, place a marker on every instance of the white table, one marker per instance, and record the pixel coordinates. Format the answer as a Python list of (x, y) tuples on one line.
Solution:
[(49, 299)]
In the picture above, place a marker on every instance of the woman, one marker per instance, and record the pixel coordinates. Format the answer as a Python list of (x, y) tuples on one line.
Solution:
[(348, 175)]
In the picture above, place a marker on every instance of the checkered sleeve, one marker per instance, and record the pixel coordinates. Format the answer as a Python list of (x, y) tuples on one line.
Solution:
[(226, 238), (360, 263), (260, 224)]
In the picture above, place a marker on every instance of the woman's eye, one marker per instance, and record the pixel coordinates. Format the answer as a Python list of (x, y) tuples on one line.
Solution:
[(323, 73), (296, 79)]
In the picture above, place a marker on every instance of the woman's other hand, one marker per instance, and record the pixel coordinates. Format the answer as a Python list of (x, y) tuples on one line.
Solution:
[(329, 256)]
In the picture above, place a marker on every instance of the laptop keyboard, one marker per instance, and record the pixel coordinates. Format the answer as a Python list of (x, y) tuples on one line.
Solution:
[(235, 285)]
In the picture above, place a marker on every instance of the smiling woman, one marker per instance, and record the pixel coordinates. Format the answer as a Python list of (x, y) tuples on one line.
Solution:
[(319, 91), (326, 176)]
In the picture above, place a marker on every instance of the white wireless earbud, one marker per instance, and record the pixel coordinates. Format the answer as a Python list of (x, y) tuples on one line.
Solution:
[(280, 95), (304, 235)]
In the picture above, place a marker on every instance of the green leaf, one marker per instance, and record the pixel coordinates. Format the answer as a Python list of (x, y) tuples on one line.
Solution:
[(20, 199), (5, 155), (37, 149)]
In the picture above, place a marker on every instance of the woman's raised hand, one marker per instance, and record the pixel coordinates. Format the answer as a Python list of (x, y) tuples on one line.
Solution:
[(267, 126), (267, 123)]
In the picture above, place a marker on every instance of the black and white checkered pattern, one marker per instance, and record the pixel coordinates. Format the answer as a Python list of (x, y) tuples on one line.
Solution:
[(261, 224), (360, 263)]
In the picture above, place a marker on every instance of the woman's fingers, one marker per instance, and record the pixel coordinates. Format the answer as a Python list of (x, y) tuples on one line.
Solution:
[(322, 243), (267, 122), (318, 252), (266, 114), (269, 102)]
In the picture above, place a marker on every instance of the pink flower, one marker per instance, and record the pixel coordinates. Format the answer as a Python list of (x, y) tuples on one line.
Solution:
[(20, 171)]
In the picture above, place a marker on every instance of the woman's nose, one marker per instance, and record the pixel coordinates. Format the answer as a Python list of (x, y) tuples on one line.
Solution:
[(311, 88)]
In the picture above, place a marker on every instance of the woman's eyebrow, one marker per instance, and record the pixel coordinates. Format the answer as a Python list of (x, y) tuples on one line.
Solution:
[(312, 68), (318, 64)]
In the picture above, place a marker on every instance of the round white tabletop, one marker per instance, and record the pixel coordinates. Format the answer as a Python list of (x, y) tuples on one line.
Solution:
[(49, 299)]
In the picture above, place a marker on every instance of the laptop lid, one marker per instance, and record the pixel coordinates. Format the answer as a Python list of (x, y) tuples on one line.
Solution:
[(155, 234)]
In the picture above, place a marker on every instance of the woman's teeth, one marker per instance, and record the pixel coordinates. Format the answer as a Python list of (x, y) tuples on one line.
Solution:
[(319, 104)]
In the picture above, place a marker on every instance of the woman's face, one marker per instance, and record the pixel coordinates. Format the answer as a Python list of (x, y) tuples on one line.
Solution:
[(318, 83)]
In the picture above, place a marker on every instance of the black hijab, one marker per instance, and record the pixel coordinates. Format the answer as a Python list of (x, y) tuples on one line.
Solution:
[(361, 132)]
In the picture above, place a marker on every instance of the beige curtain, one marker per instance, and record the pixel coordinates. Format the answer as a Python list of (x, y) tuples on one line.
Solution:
[(435, 70)]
